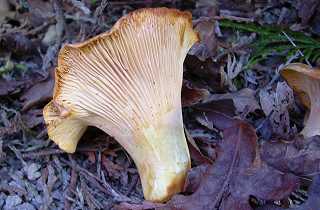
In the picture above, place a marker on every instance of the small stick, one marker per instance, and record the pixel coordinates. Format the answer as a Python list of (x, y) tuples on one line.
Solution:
[(299, 51), (98, 183)]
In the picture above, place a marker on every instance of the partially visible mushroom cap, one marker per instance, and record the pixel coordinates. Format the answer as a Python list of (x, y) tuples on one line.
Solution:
[(305, 81), (64, 129), (127, 82)]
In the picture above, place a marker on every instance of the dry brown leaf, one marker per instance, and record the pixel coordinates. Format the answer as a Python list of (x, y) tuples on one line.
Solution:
[(39, 93), (236, 174), (244, 100), (207, 47), (275, 104), (300, 156), (191, 95)]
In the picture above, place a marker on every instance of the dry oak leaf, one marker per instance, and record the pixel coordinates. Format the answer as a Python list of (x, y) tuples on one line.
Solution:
[(236, 174)]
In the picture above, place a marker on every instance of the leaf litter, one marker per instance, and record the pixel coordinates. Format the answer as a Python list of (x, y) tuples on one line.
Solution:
[(241, 120), (237, 173)]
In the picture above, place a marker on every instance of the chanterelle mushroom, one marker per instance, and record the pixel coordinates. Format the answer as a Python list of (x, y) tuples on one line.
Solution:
[(127, 82), (305, 81)]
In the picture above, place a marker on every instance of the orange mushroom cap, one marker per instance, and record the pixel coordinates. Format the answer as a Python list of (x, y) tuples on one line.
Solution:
[(127, 82)]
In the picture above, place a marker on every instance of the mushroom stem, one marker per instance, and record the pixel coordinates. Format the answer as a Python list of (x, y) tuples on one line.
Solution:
[(166, 159), (161, 155)]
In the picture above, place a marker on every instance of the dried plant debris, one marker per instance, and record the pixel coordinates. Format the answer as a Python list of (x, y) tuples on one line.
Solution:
[(244, 100), (299, 156), (242, 110), (39, 93), (206, 48), (237, 173), (312, 203), (192, 95), (276, 105)]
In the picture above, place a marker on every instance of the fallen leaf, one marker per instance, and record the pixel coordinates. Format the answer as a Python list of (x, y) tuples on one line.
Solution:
[(33, 118), (2, 153), (8, 87), (206, 8), (112, 168), (312, 203), (212, 119), (225, 106), (18, 44), (32, 171), (39, 93), (5, 10), (234, 68), (237, 172), (306, 9), (242, 5), (195, 152), (315, 26), (192, 180), (207, 73), (276, 104), (244, 100), (41, 9), (91, 157), (144, 205), (207, 47), (300, 156), (191, 95), (264, 128)]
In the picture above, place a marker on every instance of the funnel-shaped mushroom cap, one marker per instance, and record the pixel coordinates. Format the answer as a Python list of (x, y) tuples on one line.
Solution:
[(305, 81), (127, 82)]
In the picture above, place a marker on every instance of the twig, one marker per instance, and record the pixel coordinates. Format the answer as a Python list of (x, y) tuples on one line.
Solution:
[(80, 5), (80, 18), (99, 172), (47, 199), (48, 152), (18, 154), (236, 47), (2, 154), (12, 189), (53, 50), (38, 29), (235, 18), (91, 201), (132, 185), (121, 3), (98, 183), (299, 51), (57, 4), (98, 12), (43, 153), (71, 188), (277, 74)]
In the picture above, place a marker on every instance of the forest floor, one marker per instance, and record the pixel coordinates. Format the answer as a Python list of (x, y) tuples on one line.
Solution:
[(243, 120)]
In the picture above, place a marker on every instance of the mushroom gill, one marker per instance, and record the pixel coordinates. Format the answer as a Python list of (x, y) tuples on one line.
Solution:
[(127, 82)]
